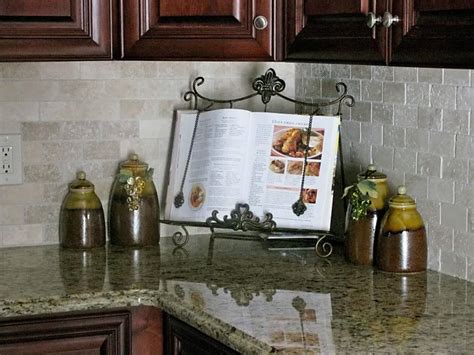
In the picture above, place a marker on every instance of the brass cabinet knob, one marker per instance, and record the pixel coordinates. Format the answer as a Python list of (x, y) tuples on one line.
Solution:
[(260, 22)]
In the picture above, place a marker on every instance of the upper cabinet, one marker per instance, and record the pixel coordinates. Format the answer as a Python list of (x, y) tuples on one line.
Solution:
[(398, 32), (55, 29), (198, 29)]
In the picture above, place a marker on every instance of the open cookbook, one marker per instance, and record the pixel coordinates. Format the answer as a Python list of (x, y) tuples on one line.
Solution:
[(255, 158)]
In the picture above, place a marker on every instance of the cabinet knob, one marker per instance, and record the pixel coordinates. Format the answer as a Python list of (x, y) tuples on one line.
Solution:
[(373, 20), (388, 19), (260, 23)]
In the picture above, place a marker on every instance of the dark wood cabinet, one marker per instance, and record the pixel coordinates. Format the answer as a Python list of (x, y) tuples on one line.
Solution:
[(198, 29), (428, 32), (181, 339), (55, 29)]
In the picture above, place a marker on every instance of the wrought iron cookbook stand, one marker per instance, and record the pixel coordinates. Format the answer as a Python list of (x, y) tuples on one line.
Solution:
[(242, 218)]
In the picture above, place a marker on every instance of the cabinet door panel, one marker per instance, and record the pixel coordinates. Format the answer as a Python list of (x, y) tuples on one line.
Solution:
[(203, 29), (434, 33), (55, 29), (333, 31)]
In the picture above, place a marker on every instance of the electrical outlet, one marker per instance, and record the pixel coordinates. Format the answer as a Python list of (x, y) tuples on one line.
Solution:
[(11, 167)]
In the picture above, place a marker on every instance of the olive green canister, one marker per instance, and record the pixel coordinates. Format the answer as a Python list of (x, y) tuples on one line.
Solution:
[(134, 211), (401, 245), (361, 233), (81, 220)]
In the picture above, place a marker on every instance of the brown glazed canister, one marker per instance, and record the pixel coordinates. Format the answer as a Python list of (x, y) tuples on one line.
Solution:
[(360, 241), (401, 245), (81, 220), (134, 211)]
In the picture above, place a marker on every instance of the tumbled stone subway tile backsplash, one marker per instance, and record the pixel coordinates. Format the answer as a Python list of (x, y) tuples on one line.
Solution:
[(90, 115), (417, 125)]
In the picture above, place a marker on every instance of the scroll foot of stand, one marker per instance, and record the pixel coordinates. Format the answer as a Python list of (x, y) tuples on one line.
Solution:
[(180, 239), (323, 248)]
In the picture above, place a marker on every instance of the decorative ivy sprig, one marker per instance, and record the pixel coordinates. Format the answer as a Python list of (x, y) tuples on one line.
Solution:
[(359, 197)]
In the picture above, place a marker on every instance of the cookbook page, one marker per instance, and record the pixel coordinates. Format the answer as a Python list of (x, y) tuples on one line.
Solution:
[(277, 168), (215, 178)]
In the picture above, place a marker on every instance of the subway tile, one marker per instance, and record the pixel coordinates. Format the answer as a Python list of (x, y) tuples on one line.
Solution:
[(417, 186), (465, 98), (322, 71), (155, 128), (454, 216), (453, 264), (382, 113), (394, 93), (41, 173), (428, 164), (464, 243), (430, 118), (443, 96), (404, 160), (340, 71), (393, 136), (120, 129), (418, 94), (441, 189), (456, 77), (417, 139), (371, 90), (405, 74), (382, 73), (361, 112), (41, 131), (429, 210), (383, 157), (81, 110), (405, 116), (455, 169), (361, 72), (19, 111), (105, 150), (442, 143), (22, 235), (371, 133), (456, 121), (430, 75)]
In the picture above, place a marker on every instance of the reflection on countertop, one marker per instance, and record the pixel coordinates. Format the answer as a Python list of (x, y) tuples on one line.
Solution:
[(250, 296)]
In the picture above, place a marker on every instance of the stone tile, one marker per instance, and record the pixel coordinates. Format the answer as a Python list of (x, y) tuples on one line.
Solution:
[(465, 98), (470, 268), (433, 257), (383, 157), (214, 69), (471, 171), (328, 88), (340, 71), (382, 73), (470, 220), (429, 210), (453, 264), (41, 173), (80, 90), (155, 129), (138, 69), (405, 74), (430, 118), (430, 75), (350, 131), (464, 195), (360, 154), (464, 147), (19, 111), (22, 235), (456, 77), (95, 170), (404, 160), (361, 72), (41, 131), (442, 236), (442, 143), (464, 243), (428, 164), (455, 169), (142, 109), (454, 216), (361, 112), (11, 127), (382, 113), (456, 121), (100, 70), (147, 149), (55, 192), (28, 90), (394, 93), (144, 89), (405, 116), (120, 129), (41, 214), (395, 178), (393, 136), (50, 234), (311, 87), (418, 94), (59, 70), (102, 150), (32, 152), (322, 71), (417, 139), (21, 194), (371, 90), (302, 70), (441, 189), (80, 130), (371, 133), (353, 88), (62, 151), (83, 110), (19, 71), (442, 96), (12, 215), (417, 186)]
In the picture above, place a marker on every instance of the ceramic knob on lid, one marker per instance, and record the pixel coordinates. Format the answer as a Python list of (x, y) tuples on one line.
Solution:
[(402, 245)]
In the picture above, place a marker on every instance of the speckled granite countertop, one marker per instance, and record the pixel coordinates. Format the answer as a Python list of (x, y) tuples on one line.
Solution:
[(250, 297)]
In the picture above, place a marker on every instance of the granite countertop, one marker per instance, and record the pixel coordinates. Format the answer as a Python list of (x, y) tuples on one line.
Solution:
[(250, 295)]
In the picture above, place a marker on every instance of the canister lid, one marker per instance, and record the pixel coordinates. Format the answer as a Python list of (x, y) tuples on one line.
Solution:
[(81, 184), (402, 200), (133, 163), (371, 174)]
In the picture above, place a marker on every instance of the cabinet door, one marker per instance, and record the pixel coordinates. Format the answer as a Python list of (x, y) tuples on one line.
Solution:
[(434, 33), (55, 29), (69, 333), (196, 29), (334, 31)]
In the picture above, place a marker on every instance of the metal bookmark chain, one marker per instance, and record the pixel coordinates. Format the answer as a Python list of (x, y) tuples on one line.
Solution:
[(179, 198), (299, 206)]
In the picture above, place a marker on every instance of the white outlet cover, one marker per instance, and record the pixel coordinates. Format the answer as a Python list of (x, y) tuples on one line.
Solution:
[(15, 174)]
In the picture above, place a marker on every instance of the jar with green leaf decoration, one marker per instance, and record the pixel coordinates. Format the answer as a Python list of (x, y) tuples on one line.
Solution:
[(134, 211), (367, 205)]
